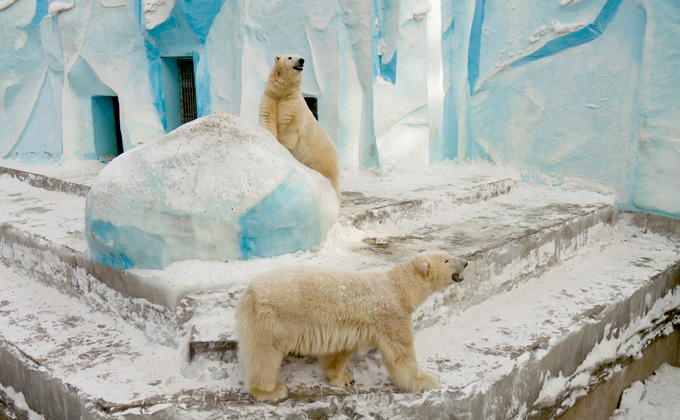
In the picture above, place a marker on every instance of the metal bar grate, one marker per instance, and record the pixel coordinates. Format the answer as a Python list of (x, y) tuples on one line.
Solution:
[(187, 89)]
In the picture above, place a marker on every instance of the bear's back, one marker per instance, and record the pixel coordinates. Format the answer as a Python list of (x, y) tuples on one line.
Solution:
[(316, 294)]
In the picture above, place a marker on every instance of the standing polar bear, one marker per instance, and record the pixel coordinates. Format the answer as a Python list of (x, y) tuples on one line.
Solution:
[(284, 112), (315, 311)]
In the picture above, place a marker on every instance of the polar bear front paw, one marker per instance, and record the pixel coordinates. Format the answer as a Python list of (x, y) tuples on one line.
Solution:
[(343, 380), (428, 381)]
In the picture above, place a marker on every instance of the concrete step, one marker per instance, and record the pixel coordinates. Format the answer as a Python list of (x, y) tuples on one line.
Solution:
[(529, 351), (374, 195), (42, 236), (47, 182), (555, 284), (506, 239), (74, 176), (54, 349)]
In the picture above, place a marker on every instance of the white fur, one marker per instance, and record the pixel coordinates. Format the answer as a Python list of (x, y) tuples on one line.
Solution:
[(314, 311), (285, 114)]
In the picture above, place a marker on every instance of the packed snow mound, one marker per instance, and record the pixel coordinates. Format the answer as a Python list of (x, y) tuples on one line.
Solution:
[(217, 188)]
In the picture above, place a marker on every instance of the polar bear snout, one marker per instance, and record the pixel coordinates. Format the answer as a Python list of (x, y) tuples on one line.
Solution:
[(299, 65), (458, 277)]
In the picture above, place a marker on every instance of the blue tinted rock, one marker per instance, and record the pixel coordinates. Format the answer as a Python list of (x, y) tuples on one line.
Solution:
[(218, 188)]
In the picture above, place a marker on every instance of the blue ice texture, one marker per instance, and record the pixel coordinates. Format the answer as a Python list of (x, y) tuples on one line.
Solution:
[(285, 221), (597, 100), (124, 247)]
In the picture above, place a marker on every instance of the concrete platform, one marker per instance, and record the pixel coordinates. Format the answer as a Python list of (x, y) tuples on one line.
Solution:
[(506, 240), (561, 292)]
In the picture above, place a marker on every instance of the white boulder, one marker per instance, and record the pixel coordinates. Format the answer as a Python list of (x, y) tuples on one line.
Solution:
[(217, 188)]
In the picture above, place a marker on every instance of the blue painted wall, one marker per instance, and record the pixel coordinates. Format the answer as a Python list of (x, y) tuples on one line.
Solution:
[(594, 100)]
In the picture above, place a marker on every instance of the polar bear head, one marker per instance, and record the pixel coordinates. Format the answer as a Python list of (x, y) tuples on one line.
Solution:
[(285, 76), (440, 268), (290, 62)]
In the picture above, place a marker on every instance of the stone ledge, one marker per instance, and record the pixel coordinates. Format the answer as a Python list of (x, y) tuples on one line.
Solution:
[(47, 182), (601, 401), (528, 254), (72, 272), (510, 379)]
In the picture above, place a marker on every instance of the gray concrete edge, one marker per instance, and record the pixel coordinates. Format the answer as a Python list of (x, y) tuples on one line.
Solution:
[(106, 289), (44, 394), (47, 182)]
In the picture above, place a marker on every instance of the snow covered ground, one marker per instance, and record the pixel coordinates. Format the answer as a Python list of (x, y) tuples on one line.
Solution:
[(560, 291), (654, 398)]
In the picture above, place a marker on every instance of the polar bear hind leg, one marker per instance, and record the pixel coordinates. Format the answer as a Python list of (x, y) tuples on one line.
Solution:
[(262, 366), (261, 361)]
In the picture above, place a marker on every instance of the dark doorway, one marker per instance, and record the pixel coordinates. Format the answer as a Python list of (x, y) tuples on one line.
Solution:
[(108, 139), (312, 104), (116, 121)]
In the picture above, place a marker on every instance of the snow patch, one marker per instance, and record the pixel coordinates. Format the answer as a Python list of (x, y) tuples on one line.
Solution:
[(4, 4), (20, 402), (156, 11), (59, 7), (382, 47), (420, 11), (538, 33), (565, 28), (620, 344), (552, 388), (656, 398)]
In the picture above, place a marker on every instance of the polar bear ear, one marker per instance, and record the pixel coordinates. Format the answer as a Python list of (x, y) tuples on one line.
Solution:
[(424, 267), (278, 58)]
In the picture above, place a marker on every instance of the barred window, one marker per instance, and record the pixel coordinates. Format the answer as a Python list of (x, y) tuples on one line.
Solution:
[(187, 89)]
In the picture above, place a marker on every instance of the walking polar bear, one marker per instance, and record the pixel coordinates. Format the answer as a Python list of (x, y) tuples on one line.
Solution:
[(315, 311), (284, 112)]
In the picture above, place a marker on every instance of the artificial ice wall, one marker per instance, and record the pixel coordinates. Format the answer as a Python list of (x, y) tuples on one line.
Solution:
[(584, 88)]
